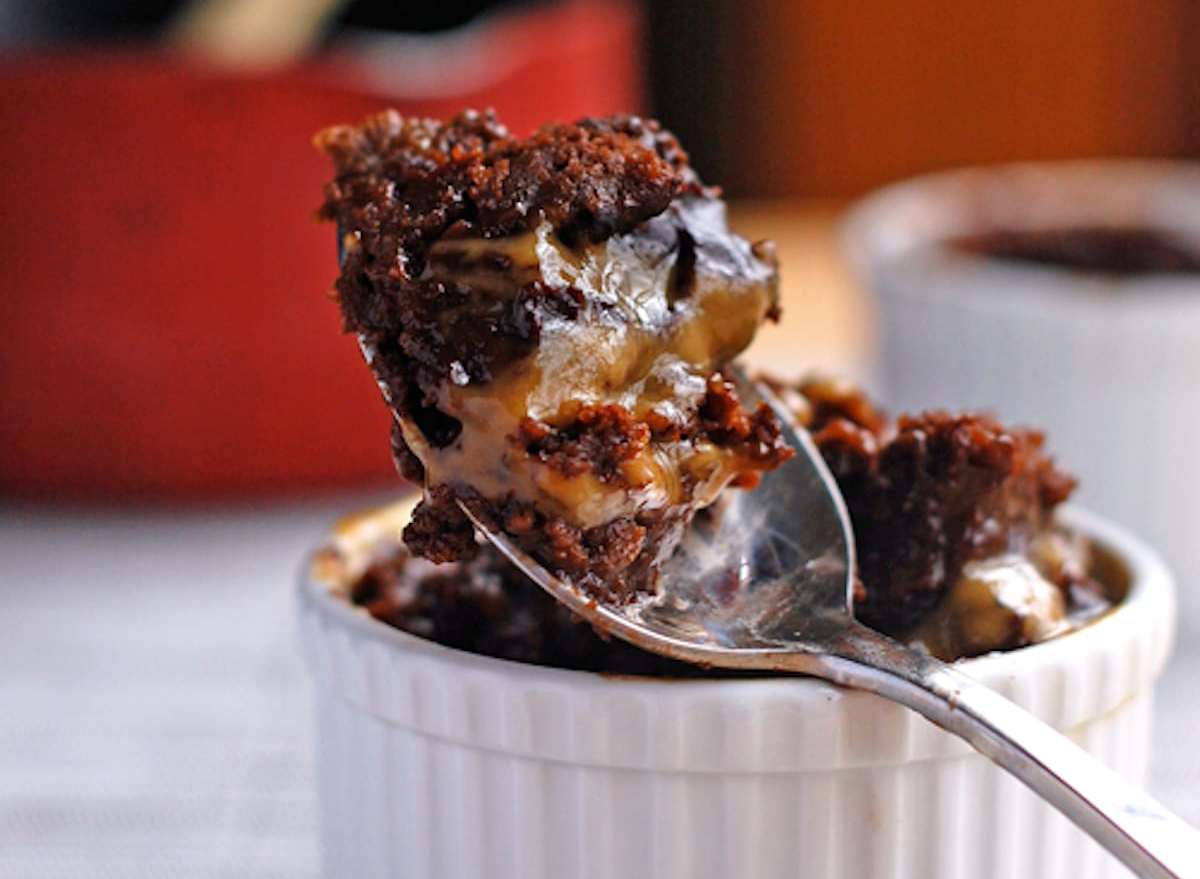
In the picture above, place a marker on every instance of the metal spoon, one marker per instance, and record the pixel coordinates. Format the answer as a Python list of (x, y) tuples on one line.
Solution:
[(789, 549)]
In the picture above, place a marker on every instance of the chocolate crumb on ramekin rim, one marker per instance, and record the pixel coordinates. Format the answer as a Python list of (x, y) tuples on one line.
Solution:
[(483, 274)]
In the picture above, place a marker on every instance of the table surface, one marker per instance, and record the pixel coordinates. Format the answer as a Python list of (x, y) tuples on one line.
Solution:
[(154, 714)]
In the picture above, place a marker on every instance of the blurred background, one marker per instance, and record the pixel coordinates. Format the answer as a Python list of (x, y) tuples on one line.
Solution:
[(821, 98), (170, 337), (181, 418)]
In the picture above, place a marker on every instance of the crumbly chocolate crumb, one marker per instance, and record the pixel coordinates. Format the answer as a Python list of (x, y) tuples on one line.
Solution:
[(755, 435), (614, 561), (599, 440), (602, 438), (415, 179), (440, 531), (487, 606), (927, 495)]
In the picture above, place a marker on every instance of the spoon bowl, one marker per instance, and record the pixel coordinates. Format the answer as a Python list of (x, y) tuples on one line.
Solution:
[(745, 583)]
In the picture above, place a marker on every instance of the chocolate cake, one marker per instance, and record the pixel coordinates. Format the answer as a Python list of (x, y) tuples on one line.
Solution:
[(957, 549), (548, 319), (953, 523)]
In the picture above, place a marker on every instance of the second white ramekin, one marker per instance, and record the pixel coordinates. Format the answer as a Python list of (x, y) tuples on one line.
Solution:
[(440, 764), (1108, 366)]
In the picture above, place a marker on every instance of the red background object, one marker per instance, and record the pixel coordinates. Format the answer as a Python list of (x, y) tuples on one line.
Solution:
[(165, 328)]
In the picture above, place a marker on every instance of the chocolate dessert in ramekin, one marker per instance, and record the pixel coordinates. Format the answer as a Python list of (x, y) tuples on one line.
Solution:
[(548, 319), (958, 550), (435, 760)]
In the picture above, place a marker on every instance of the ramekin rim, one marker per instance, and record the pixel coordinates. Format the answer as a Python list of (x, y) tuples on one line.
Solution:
[(387, 677), (1151, 584)]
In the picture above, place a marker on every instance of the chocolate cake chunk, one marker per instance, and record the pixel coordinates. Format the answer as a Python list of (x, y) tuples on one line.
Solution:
[(957, 549), (953, 523), (487, 606), (548, 319)]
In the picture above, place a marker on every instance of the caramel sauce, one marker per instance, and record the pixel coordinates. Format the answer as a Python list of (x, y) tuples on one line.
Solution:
[(649, 332)]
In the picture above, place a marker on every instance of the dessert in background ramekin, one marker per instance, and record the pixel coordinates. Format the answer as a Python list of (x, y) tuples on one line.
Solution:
[(1101, 350), (434, 762)]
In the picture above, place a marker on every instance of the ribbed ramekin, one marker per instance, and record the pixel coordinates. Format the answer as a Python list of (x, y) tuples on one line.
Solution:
[(1108, 366), (439, 764)]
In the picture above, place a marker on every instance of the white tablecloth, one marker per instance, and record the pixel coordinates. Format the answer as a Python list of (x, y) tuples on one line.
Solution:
[(154, 715)]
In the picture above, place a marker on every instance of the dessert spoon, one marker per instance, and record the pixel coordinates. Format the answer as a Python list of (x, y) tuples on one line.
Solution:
[(788, 549)]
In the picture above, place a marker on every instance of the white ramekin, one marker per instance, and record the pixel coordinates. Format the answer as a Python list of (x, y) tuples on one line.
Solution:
[(1109, 367), (438, 763)]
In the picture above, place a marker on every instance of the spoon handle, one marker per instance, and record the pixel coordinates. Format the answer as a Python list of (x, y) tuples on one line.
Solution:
[(1145, 836)]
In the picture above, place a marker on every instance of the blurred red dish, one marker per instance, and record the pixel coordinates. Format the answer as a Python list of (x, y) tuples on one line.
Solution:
[(165, 329)]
